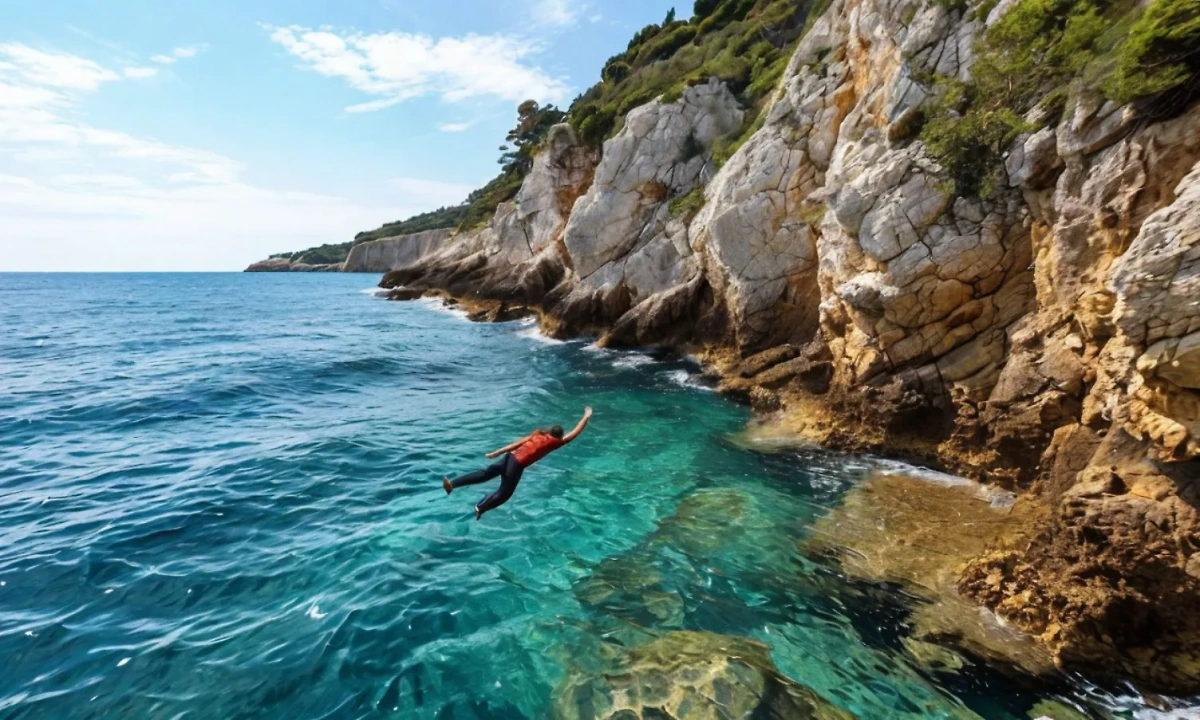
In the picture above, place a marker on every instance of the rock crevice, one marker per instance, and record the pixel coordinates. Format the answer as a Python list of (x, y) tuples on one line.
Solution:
[(1046, 339)]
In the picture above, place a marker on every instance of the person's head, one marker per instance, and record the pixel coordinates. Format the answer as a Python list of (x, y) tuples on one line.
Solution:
[(555, 430)]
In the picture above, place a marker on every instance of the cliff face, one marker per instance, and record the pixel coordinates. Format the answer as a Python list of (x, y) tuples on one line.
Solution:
[(1046, 338), (394, 252), (282, 264)]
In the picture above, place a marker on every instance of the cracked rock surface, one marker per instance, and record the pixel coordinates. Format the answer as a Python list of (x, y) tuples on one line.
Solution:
[(1046, 339)]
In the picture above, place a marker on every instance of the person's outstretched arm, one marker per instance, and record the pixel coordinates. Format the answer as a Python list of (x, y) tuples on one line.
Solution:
[(511, 446), (587, 415)]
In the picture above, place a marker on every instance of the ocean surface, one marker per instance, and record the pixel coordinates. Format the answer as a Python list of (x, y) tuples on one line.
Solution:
[(220, 498)]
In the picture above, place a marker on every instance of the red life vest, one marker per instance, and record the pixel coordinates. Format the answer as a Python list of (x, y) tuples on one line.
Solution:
[(536, 447)]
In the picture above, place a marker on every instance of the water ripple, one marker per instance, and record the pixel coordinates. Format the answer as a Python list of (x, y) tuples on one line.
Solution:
[(220, 497)]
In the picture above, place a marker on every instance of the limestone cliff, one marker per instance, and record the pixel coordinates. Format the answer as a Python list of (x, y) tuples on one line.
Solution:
[(282, 264), (393, 252), (1046, 338)]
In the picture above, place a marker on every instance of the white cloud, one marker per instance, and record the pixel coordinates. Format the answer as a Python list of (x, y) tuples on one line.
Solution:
[(24, 126), (78, 197), (373, 105), (55, 70), (35, 89), (140, 72), (399, 66), (106, 224), (556, 12), (455, 127), (179, 53), (24, 96)]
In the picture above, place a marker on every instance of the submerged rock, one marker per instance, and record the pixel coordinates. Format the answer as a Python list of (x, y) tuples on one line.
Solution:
[(1005, 336), (919, 532), (691, 676), (631, 587)]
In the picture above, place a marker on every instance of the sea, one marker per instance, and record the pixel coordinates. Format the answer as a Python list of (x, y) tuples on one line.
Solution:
[(220, 497)]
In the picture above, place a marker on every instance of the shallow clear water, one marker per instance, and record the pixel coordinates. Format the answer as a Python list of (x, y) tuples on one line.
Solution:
[(219, 497)]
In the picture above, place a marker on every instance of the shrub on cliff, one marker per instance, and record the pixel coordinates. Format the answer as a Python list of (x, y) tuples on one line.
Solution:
[(745, 43), (523, 142), (444, 217), (1161, 54), (1036, 53), (615, 72), (972, 148), (666, 45)]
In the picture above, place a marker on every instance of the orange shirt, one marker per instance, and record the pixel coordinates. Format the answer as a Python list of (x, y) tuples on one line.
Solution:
[(536, 447)]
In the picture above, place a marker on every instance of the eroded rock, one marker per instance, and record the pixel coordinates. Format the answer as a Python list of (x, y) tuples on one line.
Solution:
[(691, 675), (1034, 339)]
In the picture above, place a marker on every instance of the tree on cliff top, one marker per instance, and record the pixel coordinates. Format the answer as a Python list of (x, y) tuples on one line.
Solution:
[(533, 125), (523, 142)]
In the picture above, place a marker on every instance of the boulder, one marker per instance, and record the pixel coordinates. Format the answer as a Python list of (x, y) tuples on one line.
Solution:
[(691, 676)]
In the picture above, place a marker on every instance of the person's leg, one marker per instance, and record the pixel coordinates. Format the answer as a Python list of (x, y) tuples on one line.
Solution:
[(508, 484), (474, 478)]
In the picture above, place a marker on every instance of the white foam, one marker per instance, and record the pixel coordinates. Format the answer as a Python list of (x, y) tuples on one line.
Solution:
[(633, 360), (688, 380), (376, 291), (438, 304), (1184, 713), (534, 333), (1137, 707), (997, 497), (896, 467)]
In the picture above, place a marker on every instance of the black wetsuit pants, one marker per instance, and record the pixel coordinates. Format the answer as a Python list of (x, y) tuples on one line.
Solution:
[(509, 471)]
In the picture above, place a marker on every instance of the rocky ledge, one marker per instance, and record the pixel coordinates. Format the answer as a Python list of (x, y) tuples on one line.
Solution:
[(1045, 340), (284, 265)]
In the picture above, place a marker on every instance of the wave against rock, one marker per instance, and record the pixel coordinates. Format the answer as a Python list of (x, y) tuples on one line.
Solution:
[(1046, 339)]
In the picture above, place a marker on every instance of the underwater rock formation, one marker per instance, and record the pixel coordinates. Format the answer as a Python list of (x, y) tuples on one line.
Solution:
[(1043, 336)]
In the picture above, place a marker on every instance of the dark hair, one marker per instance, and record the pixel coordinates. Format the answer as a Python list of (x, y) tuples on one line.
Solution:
[(555, 430)]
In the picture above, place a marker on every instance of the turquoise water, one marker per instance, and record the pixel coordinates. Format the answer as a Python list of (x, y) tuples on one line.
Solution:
[(220, 498)]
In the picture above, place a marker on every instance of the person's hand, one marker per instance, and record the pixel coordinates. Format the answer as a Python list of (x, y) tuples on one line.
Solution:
[(490, 455), (587, 411)]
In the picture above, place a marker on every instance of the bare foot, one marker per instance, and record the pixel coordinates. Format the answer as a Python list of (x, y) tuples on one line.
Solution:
[(446, 484), (478, 512)]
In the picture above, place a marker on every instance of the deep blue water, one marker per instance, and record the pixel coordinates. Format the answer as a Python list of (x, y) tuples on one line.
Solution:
[(220, 498)]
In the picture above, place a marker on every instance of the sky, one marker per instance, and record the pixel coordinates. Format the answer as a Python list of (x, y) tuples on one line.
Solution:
[(154, 135)]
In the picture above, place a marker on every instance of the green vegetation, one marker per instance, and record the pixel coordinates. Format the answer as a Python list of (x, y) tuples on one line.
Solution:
[(1161, 54), (335, 253), (1035, 54), (725, 147), (746, 43), (322, 255), (688, 205), (523, 142), (436, 220)]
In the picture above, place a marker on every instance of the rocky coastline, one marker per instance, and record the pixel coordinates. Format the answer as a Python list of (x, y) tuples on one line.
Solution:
[(1044, 340), (282, 264)]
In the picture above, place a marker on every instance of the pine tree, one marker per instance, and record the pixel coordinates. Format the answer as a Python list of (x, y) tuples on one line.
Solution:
[(533, 125)]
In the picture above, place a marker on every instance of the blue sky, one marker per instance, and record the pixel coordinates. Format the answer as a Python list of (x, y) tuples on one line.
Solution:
[(139, 135)]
